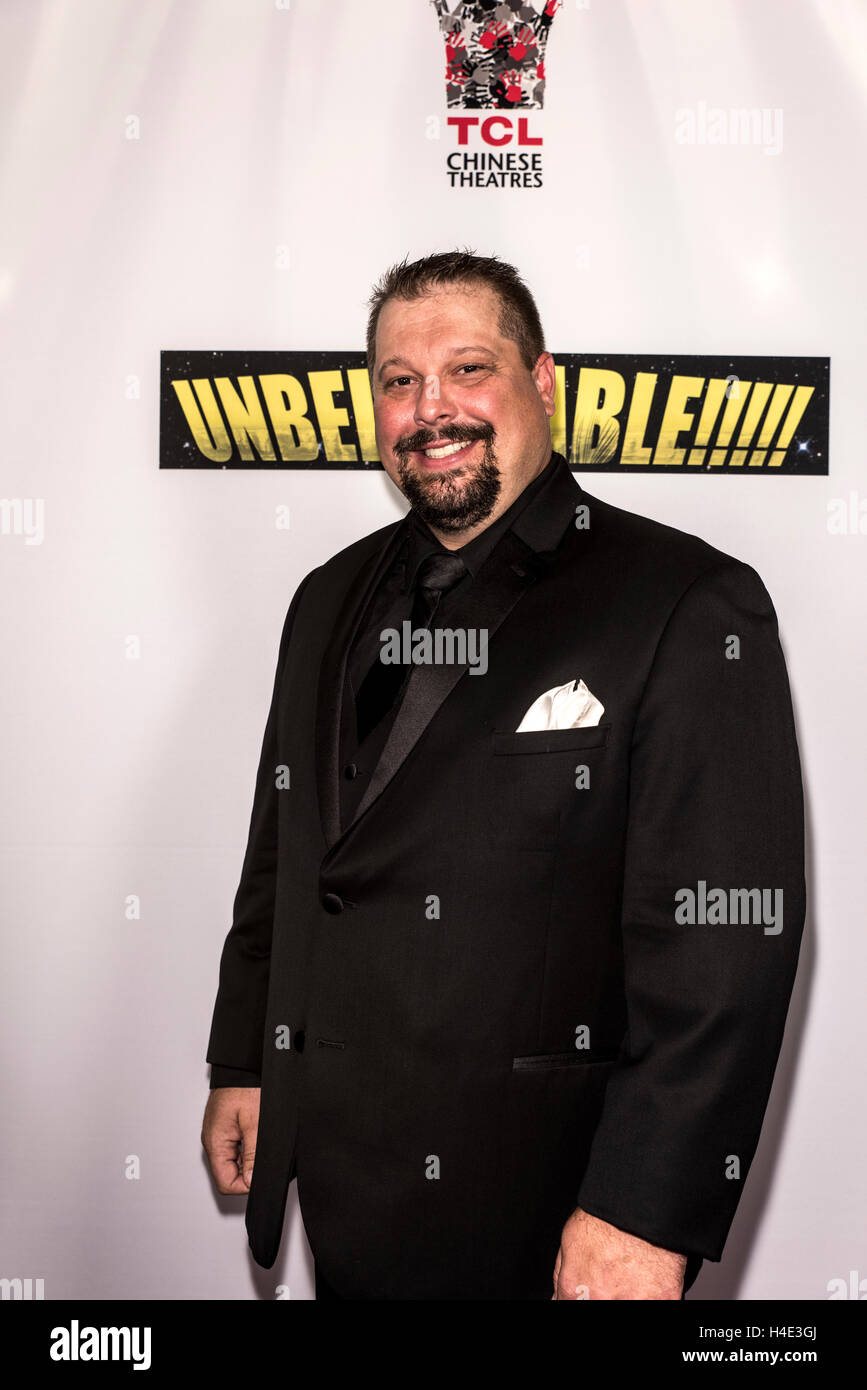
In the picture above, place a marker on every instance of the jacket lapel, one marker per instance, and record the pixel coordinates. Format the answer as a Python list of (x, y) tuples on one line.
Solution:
[(331, 680)]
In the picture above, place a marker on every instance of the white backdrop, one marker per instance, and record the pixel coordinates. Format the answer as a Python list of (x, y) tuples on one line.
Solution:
[(301, 134)]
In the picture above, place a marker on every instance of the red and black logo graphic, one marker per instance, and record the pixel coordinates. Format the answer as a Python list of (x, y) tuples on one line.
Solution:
[(495, 62), (495, 53)]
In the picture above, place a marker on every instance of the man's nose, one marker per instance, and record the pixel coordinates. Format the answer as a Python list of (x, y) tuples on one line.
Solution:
[(432, 405)]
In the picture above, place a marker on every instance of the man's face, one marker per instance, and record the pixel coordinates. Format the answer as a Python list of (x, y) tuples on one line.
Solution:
[(461, 423)]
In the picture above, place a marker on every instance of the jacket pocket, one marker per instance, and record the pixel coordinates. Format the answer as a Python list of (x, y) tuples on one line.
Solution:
[(551, 740), (576, 1058)]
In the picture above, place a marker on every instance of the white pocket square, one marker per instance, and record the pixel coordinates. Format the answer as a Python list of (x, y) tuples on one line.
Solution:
[(569, 706)]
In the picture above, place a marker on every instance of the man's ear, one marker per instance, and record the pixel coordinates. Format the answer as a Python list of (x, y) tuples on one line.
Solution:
[(545, 377)]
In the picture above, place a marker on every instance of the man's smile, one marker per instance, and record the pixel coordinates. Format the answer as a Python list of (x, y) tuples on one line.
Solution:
[(443, 455)]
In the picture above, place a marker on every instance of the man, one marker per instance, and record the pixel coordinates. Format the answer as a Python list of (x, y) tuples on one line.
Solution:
[(518, 924)]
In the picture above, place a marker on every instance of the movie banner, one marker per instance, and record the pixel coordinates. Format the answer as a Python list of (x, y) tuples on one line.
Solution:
[(614, 412)]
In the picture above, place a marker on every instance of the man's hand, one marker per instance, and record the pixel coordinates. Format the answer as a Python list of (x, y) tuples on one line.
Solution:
[(229, 1136), (597, 1260)]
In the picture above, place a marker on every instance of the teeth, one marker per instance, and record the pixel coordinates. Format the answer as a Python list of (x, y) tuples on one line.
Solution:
[(441, 453)]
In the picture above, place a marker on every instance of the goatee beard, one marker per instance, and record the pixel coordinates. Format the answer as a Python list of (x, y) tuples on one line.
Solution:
[(453, 504)]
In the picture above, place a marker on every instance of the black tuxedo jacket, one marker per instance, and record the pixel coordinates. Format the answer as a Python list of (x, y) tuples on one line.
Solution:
[(478, 1005)]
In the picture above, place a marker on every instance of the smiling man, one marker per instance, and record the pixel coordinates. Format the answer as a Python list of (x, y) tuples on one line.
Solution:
[(436, 398), (459, 1001)]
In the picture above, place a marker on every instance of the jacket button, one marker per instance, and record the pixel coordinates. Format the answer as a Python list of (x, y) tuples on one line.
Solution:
[(350, 771), (332, 903)]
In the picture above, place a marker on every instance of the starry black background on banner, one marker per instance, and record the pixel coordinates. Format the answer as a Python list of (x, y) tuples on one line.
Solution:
[(806, 455)]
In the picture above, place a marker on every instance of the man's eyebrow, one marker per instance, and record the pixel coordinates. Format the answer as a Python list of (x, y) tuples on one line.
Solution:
[(455, 352)]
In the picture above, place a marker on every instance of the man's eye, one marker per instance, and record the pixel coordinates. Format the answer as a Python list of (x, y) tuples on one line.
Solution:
[(464, 367)]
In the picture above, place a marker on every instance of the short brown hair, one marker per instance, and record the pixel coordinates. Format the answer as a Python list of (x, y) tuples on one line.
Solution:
[(519, 316)]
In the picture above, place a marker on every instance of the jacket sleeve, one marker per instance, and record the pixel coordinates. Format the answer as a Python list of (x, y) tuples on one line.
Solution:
[(233, 1076), (715, 803), (238, 1024)]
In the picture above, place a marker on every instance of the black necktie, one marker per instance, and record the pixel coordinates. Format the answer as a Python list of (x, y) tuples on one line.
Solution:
[(383, 683)]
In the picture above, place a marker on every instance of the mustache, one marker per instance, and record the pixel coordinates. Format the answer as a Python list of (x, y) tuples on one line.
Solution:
[(451, 434)]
